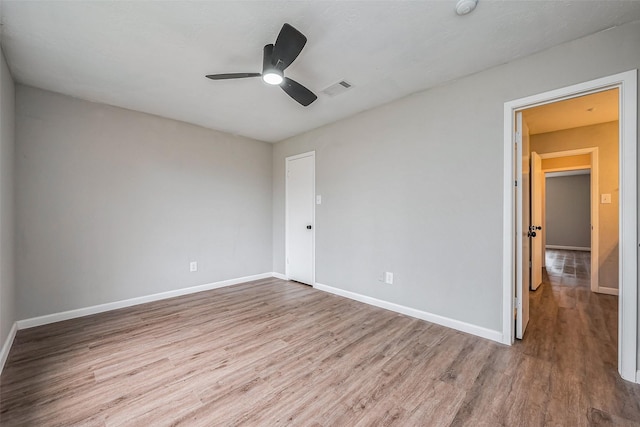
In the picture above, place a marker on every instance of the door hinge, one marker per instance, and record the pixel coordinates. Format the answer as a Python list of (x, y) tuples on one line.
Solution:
[(516, 182), (530, 265)]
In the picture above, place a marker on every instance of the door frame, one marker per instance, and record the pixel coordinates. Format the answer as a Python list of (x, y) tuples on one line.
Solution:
[(626, 83), (286, 215), (523, 261), (593, 206)]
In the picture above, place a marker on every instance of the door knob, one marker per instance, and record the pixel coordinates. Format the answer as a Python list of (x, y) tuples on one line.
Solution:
[(308, 227), (531, 234), (539, 227)]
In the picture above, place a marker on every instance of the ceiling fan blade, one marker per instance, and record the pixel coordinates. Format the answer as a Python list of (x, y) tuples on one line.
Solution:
[(232, 76), (288, 46), (298, 92)]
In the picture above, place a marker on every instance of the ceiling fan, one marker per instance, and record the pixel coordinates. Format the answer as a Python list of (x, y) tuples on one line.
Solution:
[(276, 58)]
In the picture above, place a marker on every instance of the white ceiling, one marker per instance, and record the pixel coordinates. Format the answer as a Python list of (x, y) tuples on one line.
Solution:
[(152, 56), (600, 107)]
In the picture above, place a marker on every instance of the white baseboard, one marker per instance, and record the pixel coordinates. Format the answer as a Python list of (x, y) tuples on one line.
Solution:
[(568, 248), (607, 291), (72, 314), (6, 347), (419, 314), (80, 312)]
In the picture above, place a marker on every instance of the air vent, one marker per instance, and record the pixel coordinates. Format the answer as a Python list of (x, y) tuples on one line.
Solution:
[(337, 88)]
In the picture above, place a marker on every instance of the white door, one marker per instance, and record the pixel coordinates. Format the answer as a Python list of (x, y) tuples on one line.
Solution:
[(522, 225), (537, 258), (300, 233)]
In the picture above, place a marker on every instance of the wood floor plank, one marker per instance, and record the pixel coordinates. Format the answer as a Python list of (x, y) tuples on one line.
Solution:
[(273, 352)]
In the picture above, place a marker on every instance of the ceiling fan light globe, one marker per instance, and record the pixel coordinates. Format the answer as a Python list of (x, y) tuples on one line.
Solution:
[(272, 78)]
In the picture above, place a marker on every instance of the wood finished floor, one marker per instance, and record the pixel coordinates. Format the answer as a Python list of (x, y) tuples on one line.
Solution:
[(279, 353)]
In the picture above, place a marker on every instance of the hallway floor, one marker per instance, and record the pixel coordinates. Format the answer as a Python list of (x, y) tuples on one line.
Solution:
[(573, 332)]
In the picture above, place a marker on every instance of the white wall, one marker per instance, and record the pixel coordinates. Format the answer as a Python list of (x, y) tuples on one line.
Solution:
[(568, 210), (7, 225), (415, 186), (113, 204)]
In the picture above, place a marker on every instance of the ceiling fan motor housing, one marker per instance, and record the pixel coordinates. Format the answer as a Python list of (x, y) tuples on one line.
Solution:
[(271, 74), (267, 53)]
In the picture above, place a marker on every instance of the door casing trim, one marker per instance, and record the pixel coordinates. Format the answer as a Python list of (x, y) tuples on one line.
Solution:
[(627, 84)]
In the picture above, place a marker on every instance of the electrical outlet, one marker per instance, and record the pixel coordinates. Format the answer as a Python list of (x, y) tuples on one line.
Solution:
[(388, 278), (193, 266)]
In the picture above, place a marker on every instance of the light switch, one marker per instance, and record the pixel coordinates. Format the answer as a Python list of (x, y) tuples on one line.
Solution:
[(605, 198), (318, 200)]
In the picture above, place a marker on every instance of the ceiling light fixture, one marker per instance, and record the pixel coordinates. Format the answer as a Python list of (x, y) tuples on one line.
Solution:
[(272, 77), (275, 59), (464, 7)]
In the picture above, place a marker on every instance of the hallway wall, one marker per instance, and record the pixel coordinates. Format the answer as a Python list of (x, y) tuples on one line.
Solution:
[(568, 211), (605, 137)]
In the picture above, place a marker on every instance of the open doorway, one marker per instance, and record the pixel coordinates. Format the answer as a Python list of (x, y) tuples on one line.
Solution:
[(567, 141), (568, 254), (582, 133), (519, 232), (569, 200)]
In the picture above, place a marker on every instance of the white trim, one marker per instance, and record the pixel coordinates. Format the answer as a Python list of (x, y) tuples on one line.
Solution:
[(522, 281), (6, 347), (301, 155), (572, 172), (628, 230), (279, 276), (607, 291), (508, 230), (568, 168), (569, 153), (419, 314), (594, 184), (80, 312), (286, 215), (568, 248)]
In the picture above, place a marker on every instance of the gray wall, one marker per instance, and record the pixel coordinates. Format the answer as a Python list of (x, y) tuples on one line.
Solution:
[(568, 210), (114, 204), (7, 275), (416, 186)]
